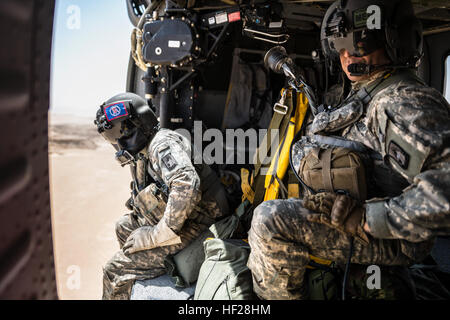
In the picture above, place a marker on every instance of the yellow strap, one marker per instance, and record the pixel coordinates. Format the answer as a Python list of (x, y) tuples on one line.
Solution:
[(293, 190), (318, 260), (280, 162), (275, 123), (302, 107), (247, 191)]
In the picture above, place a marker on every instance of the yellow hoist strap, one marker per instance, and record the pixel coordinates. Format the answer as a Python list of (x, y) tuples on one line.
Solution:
[(318, 260), (247, 191), (278, 123), (293, 186), (279, 166), (280, 163)]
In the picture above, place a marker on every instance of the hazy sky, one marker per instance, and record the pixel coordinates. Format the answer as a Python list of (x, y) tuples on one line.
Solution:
[(91, 47)]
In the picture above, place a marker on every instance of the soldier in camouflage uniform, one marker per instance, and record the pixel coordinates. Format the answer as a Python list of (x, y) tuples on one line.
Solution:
[(172, 201), (407, 125)]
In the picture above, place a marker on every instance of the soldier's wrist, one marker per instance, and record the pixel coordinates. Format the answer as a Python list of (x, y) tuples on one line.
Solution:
[(376, 219)]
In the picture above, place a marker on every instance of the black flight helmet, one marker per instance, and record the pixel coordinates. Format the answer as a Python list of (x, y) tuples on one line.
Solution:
[(127, 122), (363, 26)]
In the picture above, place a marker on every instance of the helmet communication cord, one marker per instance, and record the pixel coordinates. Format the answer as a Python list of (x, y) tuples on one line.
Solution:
[(347, 267)]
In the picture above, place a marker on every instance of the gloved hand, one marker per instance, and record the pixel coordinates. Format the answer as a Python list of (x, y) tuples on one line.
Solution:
[(348, 213), (321, 202), (149, 237), (140, 239), (345, 215)]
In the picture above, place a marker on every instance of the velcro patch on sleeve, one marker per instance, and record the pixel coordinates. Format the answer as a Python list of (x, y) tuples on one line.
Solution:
[(405, 152), (169, 161), (398, 155)]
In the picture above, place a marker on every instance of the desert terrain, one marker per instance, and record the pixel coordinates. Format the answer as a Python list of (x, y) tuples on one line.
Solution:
[(88, 192)]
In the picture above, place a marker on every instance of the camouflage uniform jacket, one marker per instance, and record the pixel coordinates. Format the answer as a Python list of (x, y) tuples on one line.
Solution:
[(409, 125), (169, 157)]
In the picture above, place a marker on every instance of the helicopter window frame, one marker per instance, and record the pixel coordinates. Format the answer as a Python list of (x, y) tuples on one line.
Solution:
[(446, 89)]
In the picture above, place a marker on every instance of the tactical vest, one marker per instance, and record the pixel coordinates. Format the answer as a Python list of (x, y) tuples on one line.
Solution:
[(253, 186), (353, 108), (210, 186)]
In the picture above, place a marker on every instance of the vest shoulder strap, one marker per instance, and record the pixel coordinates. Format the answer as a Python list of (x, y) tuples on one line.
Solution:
[(367, 93)]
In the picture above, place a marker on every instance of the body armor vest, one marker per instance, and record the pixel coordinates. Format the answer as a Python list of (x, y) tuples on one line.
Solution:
[(210, 186), (349, 112)]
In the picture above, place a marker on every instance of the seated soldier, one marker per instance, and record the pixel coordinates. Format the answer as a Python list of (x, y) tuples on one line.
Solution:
[(401, 120), (172, 201)]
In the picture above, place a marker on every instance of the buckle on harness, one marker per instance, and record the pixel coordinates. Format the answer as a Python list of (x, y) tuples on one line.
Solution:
[(280, 108), (124, 158)]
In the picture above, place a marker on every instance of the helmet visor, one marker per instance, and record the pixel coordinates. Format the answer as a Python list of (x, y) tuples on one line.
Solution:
[(110, 120), (357, 43), (112, 134), (133, 141)]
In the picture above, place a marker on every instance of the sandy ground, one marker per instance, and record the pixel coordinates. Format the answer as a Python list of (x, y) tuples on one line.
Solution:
[(88, 192)]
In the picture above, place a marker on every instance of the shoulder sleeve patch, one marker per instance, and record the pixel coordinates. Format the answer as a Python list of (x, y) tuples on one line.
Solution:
[(169, 161), (399, 155), (405, 152)]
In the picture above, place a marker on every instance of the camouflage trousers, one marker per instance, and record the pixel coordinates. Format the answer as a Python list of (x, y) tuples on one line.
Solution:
[(281, 240), (120, 273)]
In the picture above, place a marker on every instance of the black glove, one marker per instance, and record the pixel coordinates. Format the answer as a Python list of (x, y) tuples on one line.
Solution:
[(321, 202), (345, 214)]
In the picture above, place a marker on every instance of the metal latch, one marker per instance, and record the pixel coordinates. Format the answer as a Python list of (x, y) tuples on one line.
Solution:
[(280, 107)]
